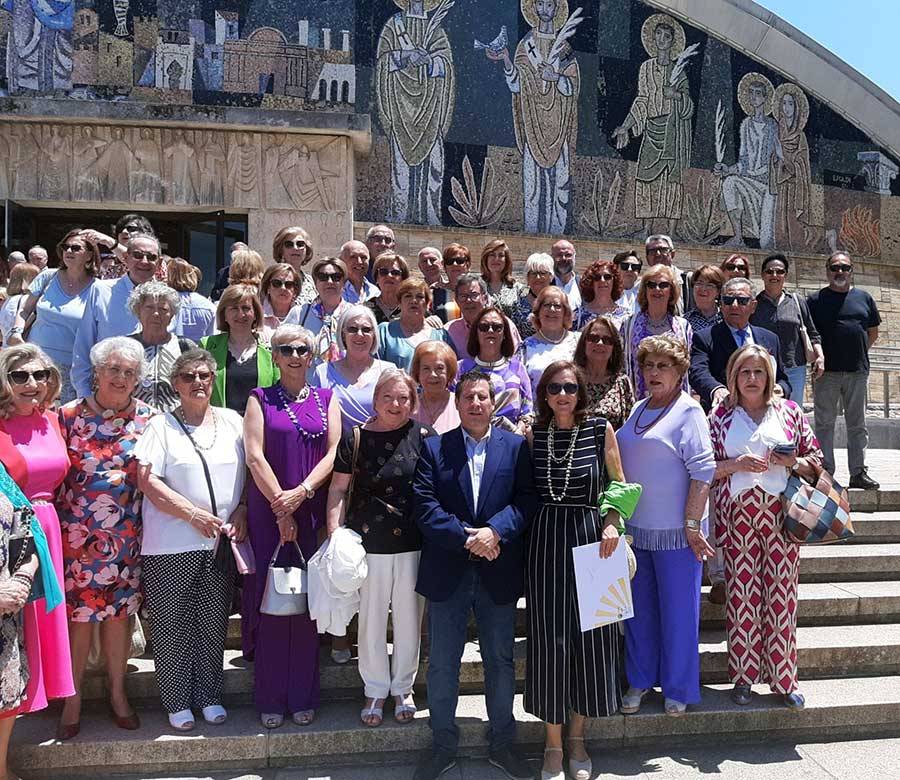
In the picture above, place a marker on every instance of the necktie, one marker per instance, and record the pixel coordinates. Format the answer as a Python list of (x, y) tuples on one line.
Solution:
[(742, 336)]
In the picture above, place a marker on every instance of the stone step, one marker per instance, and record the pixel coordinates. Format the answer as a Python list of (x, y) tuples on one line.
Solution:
[(836, 709), (886, 499), (875, 527), (824, 651), (849, 562)]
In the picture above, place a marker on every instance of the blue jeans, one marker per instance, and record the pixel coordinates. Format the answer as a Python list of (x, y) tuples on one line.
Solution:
[(447, 626), (797, 377)]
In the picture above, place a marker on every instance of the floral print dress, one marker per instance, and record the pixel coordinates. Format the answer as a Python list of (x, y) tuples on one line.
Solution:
[(100, 512)]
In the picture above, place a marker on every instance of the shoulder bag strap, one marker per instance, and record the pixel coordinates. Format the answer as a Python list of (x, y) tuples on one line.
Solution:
[(357, 434), (209, 485), (32, 318)]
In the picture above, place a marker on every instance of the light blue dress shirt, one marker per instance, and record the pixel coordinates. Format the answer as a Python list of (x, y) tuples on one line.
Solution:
[(742, 340), (476, 452), (368, 292)]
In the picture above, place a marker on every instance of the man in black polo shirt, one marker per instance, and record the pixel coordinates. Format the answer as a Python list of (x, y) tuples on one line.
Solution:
[(847, 319)]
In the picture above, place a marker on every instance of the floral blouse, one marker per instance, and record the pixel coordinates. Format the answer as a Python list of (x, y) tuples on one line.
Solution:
[(612, 398)]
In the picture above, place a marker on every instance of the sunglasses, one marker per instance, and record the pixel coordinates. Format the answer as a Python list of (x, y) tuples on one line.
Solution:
[(137, 254), (740, 300), (290, 350), (569, 388), (72, 247), (398, 272), (378, 238), (195, 376), (596, 338), (775, 271), (659, 250), (490, 327), (630, 266), (279, 283), (131, 229), (333, 277), (456, 260), (658, 285), (21, 377), (603, 278), (366, 330), (840, 269), (298, 244), (657, 366), (734, 267)]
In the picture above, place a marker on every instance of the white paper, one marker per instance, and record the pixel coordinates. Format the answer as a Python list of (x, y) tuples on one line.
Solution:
[(603, 586)]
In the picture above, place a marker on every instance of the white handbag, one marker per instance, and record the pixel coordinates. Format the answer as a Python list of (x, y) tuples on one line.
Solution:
[(287, 587)]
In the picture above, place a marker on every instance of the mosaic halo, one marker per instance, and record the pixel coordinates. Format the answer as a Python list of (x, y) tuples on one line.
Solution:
[(743, 93), (562, 13), (648, 34), (430, 5), (800, 100)]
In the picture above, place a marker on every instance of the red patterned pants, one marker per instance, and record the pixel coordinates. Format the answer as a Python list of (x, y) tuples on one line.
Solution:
[(761, 573)]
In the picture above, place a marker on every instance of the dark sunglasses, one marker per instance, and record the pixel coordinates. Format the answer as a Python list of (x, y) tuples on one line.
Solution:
[(490, 327), (21, 377), (658, 285), (840, 269), (630, 266), (131, 229), (596, 338), (289, 350), (333, 277), (298, 244), (459, 260), (740, 300), (603, 278), (569, 388), (279, 283), (659, 250), (192, 376), (775, 271), (137, 254), (734, 267), (398, 272), (72, 247), (366, 330)]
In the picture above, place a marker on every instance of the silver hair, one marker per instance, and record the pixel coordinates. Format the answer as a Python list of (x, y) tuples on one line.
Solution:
[(659, 237), (155, 290), (390, 375), (16, 257), (193, 357), (739, 280), (472, 279), (289, 332), (372, 230), (539, 261), (431, 249), (144, 236), (125, 347), (350, 313)]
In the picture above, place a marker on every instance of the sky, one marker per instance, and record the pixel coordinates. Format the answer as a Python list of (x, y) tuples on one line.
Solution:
[(863, 33)]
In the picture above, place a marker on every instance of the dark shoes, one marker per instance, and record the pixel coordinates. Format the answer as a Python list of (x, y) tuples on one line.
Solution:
[(794, 701), (509, 761), (434, 765), (741, 694), (717, 593), (863, 481)]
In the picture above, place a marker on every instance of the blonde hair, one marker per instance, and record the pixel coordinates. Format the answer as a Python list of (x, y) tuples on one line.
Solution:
[(548, 292), (246, 267), (282, 235), (10, 357), (234, 294), (269, 275), (737, 359), (390, 375), (668, 346), (20, 277), (674, 290), (182, 276)]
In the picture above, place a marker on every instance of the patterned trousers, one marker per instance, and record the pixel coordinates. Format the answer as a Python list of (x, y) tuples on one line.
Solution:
[(762, 569)]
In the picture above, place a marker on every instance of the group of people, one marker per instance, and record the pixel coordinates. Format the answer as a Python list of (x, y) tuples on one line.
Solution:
[(470, 428)]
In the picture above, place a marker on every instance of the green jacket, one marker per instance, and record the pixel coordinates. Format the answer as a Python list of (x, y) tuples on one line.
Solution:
[(266, 371)]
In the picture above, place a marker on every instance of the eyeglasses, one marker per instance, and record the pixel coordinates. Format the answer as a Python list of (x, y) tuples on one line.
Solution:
[(490, 327), (553, 306), (657, 366), (774, 272), (658, 285), (735, 267), (840, 269), (659, 250), (332, 277), (137, 254), (541, 274), (366, 330), (297, 244), (630, 266), (195, 376), (603, 278), (740, 300), (125, 373), (290, 350), (396, 272), (596, 338), (72, 248), (417, 297), (705, 286), (469, 297), (458, 260), (279, 283), (21, 377), (380, 238), (569, 388), (131, 229)]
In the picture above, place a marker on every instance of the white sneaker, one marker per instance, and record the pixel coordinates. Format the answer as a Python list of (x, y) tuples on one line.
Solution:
[(631, 701)]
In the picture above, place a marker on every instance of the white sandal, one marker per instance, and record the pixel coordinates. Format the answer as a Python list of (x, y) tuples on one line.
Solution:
[(183, 720), (215, 714), (271, 720), (372, 711), (303, 717), (402, 708)]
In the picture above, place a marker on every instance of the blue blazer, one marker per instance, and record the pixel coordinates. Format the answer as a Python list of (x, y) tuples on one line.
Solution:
[(710, 350), (507, 501)]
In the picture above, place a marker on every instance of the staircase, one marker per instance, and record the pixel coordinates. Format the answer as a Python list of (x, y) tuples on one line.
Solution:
[(849, 658)]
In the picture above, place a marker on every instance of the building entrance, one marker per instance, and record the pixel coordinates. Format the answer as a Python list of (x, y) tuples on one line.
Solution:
[(203, 238)]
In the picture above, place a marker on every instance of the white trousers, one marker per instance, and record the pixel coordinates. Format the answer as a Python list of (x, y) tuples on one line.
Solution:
[(390, 586)]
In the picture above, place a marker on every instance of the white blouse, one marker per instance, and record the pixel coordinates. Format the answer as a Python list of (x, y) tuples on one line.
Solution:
[(745, 437)]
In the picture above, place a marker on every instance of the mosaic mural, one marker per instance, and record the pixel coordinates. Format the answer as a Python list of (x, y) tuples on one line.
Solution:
[(608, 119)]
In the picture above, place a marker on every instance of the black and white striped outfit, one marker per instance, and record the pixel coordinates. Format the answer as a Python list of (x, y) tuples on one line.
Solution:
[(567, 670)]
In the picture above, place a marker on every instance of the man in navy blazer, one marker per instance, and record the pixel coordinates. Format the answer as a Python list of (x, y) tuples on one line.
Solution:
[(711, 347), (474, 497)]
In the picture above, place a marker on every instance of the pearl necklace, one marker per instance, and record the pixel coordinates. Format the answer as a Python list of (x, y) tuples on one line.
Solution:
[(546, 338), (286, 402), (566, 458)]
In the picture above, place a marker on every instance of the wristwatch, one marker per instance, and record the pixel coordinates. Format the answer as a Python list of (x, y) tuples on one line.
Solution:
[(691, 525), (308, 490)]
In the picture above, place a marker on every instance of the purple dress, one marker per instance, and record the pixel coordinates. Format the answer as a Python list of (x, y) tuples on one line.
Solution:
[(285, 649)]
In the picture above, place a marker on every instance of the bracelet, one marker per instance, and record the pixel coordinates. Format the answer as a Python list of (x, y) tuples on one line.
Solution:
[(193, 515), (15, 331), (27, 579)]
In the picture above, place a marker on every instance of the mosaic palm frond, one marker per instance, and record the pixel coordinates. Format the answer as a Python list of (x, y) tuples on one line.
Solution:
[(477, 206)]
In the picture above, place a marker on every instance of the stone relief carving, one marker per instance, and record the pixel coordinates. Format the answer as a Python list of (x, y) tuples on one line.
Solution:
[(25, 150), (306, 180), (87, 147), (878, 170), (182, 168), (147, 174), (5, 160), (276, 192), (415, 93), (243, 171), (545, 83), (211, 160), (113, 165), (55, 171)]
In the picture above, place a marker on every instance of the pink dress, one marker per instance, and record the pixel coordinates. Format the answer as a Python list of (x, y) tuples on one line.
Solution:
[(34, 452)]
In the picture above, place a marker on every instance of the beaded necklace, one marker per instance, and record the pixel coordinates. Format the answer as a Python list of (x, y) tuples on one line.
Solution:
[(566, 458), (198, 445), (286, 402)]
